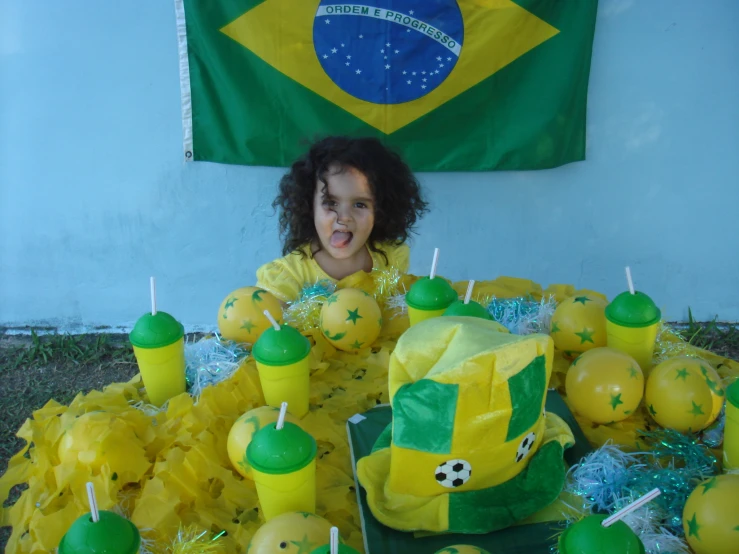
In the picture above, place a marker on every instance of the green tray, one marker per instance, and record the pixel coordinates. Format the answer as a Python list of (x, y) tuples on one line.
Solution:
[(537, 538)]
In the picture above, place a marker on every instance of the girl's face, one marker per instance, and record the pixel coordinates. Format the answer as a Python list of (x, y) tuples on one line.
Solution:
[(344, 213)]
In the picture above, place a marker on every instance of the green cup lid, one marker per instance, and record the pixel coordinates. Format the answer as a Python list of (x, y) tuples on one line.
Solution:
[(633, 310), (113, 534), (279, 451), (588, 536), (326, 549), (732, 394), (284, 347), (430, 294), (473, 309), (156, 331)]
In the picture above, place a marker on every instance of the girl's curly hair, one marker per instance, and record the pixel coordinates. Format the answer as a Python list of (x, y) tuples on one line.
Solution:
[(398, 201)]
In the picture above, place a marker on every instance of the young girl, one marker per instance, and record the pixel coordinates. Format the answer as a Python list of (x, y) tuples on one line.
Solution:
[(346, 207)]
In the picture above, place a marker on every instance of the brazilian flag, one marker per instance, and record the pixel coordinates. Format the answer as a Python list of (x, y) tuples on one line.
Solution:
[(453, 85)]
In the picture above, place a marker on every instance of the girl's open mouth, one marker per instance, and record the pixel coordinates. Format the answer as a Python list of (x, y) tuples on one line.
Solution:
[(341, 240)]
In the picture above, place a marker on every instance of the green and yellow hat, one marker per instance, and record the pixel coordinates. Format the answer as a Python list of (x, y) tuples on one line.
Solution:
[(466, 450)]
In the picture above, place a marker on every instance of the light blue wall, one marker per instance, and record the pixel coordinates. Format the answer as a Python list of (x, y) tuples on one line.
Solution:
[(94, 196)]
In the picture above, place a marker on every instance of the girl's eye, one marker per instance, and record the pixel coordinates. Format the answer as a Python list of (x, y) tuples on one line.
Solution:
[(361, 205), (329, 203)]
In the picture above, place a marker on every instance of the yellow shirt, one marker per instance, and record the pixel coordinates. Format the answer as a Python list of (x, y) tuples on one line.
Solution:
[(286, 277)]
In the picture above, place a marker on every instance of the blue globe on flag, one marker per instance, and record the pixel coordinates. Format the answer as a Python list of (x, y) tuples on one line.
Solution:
[(388, 51)]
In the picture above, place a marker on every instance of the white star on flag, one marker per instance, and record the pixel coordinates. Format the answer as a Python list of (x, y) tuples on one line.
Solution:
[(423, 86), (334, 50), (448, 59), (438, 58), (387, 66), (347, 63), (413, 73), (358, 71), (361, 36), (325, 56), (328, 21), (409, 82), (411, 12), (397, 51), (387, 44), (404, 72), (382, 51), (348, 57)]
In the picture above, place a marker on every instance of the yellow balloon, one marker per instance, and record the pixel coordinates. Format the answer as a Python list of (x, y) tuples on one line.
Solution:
[(243, 430), (711, 516), (579, 324), (678, 396), (462, 549), (351, 319), (604, 385), (291, 533), (241, 315)]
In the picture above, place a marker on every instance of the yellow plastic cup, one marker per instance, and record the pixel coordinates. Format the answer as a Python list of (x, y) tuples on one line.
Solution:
[(289, 383), (283, 463), (731, 427), (637, 342), (416, 315), (429, 298), (632, 322), (159, 345), (284, 368)]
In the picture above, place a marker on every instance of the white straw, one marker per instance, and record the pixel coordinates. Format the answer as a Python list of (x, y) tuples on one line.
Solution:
[(153, 287), (93, 502), (334, 540), (272, 320), (281, 418), (467, 296), (434, 263), (651, 495), (628, 278)]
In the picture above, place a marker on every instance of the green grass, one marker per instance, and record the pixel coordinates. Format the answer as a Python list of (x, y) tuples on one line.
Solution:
[(719, 338), (76, 349)]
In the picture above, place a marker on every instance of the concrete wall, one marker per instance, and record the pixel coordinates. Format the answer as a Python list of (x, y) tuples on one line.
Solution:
[(94, 196)]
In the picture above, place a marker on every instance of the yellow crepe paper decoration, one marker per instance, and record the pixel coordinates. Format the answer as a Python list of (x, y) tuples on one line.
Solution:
[(188, 479)]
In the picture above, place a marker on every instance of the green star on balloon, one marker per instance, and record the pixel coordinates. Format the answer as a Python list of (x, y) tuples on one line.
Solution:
[(697, 409), (337, 336), (694, 528), (354, 316), (581, 299), (248, 325), (255, 296), (682, 374), (633, 373), (615, 400), (305, 546), (555, 328), (331, 299), (586, 336), (230, 303), (652, 410), (357, 345), (708, 485)]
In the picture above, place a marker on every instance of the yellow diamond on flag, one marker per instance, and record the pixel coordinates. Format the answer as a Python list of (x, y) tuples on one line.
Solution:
[(496, 32)]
